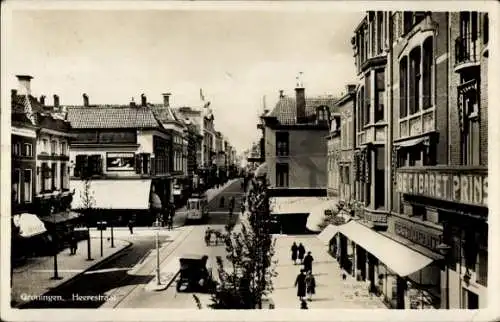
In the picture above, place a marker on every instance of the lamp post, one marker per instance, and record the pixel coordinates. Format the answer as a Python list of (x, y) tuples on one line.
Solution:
[(112, 235), (444, 250), (56, 271), (157, 226)]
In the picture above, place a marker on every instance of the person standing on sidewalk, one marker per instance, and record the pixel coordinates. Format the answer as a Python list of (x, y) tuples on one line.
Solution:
[(301, 249), (310, 285), (308, 261), (131, 226), (73, 244), (294, 250), (300, 282)]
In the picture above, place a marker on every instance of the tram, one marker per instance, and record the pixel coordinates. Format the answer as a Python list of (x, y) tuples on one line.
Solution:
[(197, 207)]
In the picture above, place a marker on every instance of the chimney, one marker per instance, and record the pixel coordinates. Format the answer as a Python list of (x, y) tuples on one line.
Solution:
[(42, 100), (56, 101), (24, 84), (350, 88), (300, 102), (144, 100), (85, 100), (166, 99), (132, 102), (282, 93)]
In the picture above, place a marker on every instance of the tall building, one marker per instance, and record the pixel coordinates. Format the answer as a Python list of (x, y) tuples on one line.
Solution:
[(419, 229)]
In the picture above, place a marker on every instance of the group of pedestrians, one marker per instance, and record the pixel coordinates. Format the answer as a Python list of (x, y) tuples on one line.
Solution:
[(305, 281)]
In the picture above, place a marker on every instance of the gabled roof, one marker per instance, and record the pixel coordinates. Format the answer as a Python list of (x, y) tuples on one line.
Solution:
[(163, 114), (286, 111), (111, 117), (43, 116)]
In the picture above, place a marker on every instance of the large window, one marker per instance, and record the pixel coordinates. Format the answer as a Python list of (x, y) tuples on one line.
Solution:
[(414, 85), (16, 149), (63, 175), (427, 71), (380, 30), (16, 188), (28, 179), (53, 175), (120, 161), (361, 102), (63, 148), (28, 149), (379, 178), (88, 165), (282, 174), (367, 106), (486, 29), (403, 88), (471, 144), (45, 169), (282, 143), (379, 95), (53, 147)]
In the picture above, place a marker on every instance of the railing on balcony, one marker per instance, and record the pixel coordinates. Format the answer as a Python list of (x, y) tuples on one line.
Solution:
[(466, 49)]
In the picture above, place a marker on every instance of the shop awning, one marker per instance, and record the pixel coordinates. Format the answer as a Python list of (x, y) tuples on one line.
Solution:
[(29, 225), (317, 214), (328, 233), (410, 143), (113, 194), (261, 170), (60, 217), (294, 205), (396, 256)]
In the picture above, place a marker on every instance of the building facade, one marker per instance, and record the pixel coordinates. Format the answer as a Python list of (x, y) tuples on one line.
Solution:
[(333, 158)]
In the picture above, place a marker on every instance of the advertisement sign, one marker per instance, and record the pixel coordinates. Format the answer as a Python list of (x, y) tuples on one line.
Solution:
[(462, 188), (120, 162)]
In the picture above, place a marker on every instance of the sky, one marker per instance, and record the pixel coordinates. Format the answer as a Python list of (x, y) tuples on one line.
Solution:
[(236, 57)]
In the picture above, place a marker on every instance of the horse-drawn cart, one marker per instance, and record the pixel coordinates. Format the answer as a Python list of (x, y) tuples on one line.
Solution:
[(214, 237)]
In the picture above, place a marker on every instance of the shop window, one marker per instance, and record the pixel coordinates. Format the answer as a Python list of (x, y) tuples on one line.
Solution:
[(415, 156), (482, 267), (282, 143), (414, 84), (16, 188), (282, 174), (28, 181), (470, 250), (403, 77), (379, 95), (367, 100), (427, 72)]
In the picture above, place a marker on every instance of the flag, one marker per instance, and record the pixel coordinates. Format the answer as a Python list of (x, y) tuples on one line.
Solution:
[(202, 97), (28, 110)]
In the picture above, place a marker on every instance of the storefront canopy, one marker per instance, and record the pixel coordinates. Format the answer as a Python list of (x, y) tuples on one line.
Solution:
[(410, 142), (317, 214), (113, 194), (261, 170), (294, 205), (396, 256), (328, 233), (29, 225)]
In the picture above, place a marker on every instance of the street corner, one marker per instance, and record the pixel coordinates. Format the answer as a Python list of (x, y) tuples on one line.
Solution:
[(168, 274)]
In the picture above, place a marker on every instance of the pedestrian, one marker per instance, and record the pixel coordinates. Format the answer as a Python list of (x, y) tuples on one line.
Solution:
[(170, 222), (294, 250), (310, 285), (300, 282), (131, 226), (308, 260), (301, 249), (303, 305), (73, 245)]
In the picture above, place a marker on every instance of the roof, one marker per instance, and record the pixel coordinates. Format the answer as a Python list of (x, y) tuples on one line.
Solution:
[(286, 112), (164, 114), (44, 117), (111, 117)]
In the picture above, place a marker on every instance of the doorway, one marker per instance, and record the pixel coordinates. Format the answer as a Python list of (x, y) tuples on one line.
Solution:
[(470, 300)]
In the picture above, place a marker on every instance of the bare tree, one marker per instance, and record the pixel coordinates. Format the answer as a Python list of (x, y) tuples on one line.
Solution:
[(88, 201)]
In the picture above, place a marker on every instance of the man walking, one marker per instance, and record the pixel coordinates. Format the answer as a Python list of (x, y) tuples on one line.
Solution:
[(300, 282), (131, 226), (301, 249), (308, 260), (294, 250)]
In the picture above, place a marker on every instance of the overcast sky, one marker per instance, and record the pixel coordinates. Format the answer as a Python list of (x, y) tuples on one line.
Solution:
[(237, 57)]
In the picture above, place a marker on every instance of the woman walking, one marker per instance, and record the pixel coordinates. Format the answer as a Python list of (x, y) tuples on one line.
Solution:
[(301, 249), (294, 250), (300, 282), (310, 285)]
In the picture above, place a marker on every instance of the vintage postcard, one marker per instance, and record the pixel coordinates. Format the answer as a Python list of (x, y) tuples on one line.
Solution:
[(174, 160)]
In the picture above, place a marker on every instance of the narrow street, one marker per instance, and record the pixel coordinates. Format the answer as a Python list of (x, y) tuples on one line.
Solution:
[(122, 280)]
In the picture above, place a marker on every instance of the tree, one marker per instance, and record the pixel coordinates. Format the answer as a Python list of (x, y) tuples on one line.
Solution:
[(88, 201), (246, 279)]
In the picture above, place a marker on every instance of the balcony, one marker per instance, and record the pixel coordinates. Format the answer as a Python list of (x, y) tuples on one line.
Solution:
[(467, 52), (465, 185)]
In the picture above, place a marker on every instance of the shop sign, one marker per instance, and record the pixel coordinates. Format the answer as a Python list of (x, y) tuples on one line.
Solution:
[(462, 188), (120, 161), (419, 236)]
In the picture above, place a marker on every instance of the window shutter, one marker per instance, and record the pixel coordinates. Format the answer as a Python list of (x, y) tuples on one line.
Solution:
[(138, 163)]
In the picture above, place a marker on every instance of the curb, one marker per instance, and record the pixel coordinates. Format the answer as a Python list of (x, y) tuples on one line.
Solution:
[(95, 265)]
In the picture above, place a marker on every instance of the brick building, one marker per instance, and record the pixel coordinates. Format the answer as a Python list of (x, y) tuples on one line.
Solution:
[(295, 133), (421, 185)]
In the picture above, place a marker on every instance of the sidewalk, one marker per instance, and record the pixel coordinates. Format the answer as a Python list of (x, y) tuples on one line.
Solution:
[(331, 291), (34, 278)]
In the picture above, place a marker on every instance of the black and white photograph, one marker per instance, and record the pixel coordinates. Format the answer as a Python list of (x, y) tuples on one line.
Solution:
[(212, 156)]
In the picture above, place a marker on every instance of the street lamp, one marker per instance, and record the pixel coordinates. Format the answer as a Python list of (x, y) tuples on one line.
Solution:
[(112, 234), (157, 226), (444, 249), (56, 271)]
